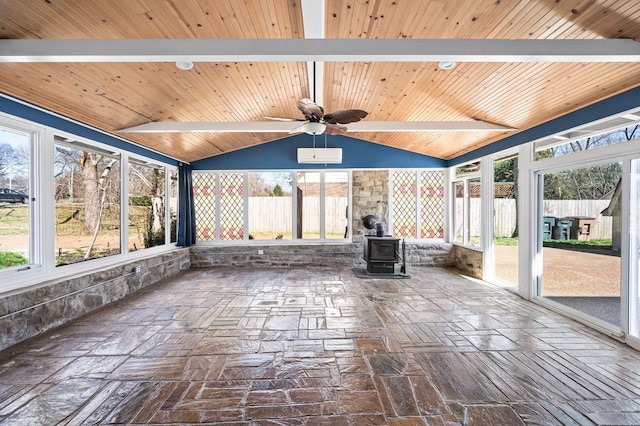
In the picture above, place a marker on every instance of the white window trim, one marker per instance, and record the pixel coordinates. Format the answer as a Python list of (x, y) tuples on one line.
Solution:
[(418, 203), (42, 268), (529, 187), (466, 213), (294, 240)]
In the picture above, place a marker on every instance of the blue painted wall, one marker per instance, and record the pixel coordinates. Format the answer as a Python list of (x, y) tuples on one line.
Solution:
[(282, 154), (610, 106), (41, 116)]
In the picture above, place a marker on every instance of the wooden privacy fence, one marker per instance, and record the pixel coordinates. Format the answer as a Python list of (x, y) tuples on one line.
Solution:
[(505, 215), (273, 214)]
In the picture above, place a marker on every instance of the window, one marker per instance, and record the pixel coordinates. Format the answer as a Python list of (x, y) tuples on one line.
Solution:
[(271, 205), (612, 132), (431, 204), (505, 219), (173, 205), (417, 203), (580, 239), (231, 206), (336, 205), (16, 220), (61, 203), (467, 206), (475, 211), (458, 212), (404, 191), (87, 202), (204, 202), (146, 205), (308, 205)]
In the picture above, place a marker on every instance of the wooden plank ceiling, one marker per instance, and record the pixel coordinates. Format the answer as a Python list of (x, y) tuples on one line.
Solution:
[(116, 95)]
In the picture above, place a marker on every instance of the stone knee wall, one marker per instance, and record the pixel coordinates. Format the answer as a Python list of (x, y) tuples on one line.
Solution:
[(428, 254), (276, 256), (467, 260), (287, 255), (30, 312)]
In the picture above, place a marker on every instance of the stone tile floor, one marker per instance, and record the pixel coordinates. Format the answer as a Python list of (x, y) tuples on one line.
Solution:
[(318, 346)]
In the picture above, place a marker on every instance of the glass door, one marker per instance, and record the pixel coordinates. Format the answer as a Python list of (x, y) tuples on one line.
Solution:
[(634, 250), (505, 221), (582, 240)]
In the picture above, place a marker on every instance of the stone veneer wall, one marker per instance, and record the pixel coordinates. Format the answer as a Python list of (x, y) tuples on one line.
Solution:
[(30, 312), (288, 255), (467, 260), (370, 195), (274, 256)]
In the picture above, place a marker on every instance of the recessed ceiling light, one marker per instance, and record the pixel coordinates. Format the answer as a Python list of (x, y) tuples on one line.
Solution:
[(446, 65), (184, 65)]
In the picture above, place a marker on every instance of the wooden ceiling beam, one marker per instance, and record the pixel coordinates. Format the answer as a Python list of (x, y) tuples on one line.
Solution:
[(334, 50)]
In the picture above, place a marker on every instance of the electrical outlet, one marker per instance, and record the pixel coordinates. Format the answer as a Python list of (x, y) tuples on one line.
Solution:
[(138, 269), (260, 251)]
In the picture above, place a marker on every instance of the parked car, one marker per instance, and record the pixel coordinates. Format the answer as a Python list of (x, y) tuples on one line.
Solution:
[(11, 196)]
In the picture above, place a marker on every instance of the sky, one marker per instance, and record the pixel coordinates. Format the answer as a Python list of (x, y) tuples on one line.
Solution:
[(12, 138)]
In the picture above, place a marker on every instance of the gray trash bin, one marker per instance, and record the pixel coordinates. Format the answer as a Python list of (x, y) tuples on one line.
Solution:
[(562, 229)]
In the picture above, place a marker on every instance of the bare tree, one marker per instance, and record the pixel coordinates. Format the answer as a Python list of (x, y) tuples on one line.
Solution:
[(149, 184), (94, 188), (14, 165)]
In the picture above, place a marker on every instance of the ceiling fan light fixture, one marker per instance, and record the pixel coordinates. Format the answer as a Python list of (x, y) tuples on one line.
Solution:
[(313, 127), (184, 65), (446, 65)]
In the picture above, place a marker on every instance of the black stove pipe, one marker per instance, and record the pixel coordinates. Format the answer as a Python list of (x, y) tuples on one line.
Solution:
[(371, 222)]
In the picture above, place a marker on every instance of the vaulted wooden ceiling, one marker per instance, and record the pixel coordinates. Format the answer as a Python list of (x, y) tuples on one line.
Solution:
[(113, 95)]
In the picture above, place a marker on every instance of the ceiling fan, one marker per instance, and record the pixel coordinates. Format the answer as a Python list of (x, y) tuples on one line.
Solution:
[(317, 122)]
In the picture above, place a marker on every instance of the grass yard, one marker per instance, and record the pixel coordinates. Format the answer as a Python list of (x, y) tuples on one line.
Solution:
[(14, 219), (10, 259)]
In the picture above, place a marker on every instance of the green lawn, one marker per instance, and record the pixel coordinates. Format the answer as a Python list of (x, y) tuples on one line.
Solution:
[(9, 259), (14, 219)]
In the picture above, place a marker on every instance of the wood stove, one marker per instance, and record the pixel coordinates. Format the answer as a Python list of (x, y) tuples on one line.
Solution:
[(381, 254)]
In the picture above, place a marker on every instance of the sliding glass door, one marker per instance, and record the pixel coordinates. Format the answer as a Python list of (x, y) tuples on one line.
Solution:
[(505, 221), (581, 239), (634, 250)]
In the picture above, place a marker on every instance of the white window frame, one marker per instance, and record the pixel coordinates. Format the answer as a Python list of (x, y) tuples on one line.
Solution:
[(35, 134), (488, 231), (294, 239), (466, 214), (166, 168), (42, 267), (531, 172), (417, 174)]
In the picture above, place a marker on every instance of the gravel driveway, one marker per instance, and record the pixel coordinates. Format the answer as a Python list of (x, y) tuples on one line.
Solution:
[(567, 272)]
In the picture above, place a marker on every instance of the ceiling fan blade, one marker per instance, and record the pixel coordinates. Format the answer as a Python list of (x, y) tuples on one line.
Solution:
[(298, 129), (335, 129), (212, 127), (311, 110), (428, 126), (282, 118), (346, 116)]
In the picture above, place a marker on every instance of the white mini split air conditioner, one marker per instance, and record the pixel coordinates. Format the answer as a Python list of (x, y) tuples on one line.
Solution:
[(320, 155)]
